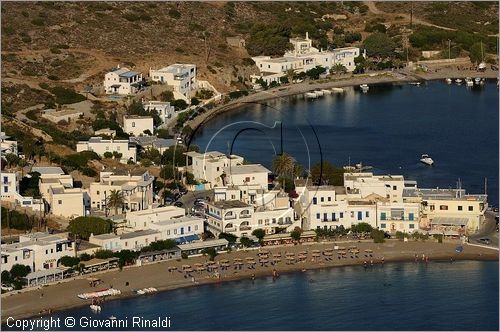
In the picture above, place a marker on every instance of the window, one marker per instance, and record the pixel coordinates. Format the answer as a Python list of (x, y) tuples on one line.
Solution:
[(333, 216), (168, 232), (471, 208), (367, 214), (382, 216), (460, 208), (394, 188), (382, 225), (322, 199), (315, 200), (133, 124), (175, 231), (341, 215), (247, 179), (195, 227), (189, 228), (325, 216), (5, 189), (98, 192), (443, 207), (360, 215), (352, 214), (5, 179), (411, 216), (59, 201), (318, 216), (412, 226), (329, 199)]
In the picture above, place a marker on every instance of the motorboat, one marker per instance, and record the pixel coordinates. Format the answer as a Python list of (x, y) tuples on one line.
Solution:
[(415, 83), (364, 87), (477, 80), (95, 308), (448, 80), (469, 81), (337, 90), (458, 81), (311, 95), (426, 160)]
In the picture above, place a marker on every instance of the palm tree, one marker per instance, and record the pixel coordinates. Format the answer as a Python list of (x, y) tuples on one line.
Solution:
[(284, 165), (116, 199)]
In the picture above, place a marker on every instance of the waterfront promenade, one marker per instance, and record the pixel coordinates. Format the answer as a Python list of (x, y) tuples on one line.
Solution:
[(64, 294)]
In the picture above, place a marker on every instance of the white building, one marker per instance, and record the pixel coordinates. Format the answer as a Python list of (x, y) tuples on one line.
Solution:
[(64, 200), (241, 219), (449, 211), (145, 218), (10, 193), (182, 77), (7, 146), (164, 109), (363, 184), (136, 186), (251, 177), (101, 146), (122, 81), (208, 167), (133, 241), (302, 58), (137, 125), (39, 251)]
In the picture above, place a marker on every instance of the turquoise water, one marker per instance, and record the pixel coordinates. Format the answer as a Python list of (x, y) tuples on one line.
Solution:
[(401, 296), (389, 127)]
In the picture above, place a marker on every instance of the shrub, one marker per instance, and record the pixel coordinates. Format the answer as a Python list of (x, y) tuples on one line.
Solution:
[(108, 155), (84, 226), (174, 13), (66, 96)]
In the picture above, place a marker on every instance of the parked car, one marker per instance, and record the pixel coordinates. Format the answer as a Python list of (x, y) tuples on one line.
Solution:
[(485, 240)]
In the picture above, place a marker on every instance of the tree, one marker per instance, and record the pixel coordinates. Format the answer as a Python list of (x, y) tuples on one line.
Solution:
[(328, 174), (379, 45), (167, 96), (104, 254), (68, 261), (179, 104), (19, 271), (108, 155), (11, 159), (6, 278), (295, 234), (125, 257), (338, 69), (211, 252), (378, 236), (362, 227), (116, 199), (475, 53), (283, 166), (315, 72), (231, 238), (84, 226), (259, 233), (246, 241)]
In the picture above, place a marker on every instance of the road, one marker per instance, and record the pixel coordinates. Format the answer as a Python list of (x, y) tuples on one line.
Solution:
[(189, 198), (487, 230)]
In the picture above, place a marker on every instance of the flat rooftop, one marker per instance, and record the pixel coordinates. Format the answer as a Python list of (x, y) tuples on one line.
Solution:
[(246, 169), (47, 170), (230, 204), (134, 234)]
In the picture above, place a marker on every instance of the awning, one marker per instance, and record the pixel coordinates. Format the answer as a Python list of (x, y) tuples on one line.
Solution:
[(449, 221)]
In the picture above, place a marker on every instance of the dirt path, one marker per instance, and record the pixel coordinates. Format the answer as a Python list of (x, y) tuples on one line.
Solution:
[(392, 16)]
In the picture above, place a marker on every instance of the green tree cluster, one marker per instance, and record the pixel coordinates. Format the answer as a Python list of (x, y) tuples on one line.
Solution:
[(84, 226)]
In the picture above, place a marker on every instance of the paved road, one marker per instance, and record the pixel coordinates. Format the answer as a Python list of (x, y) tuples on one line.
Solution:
[(487, 230), (188, 199)]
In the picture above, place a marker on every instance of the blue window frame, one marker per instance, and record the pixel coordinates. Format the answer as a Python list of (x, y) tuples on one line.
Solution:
[(367, 214), (318, 216), (411, 216), (412, 226), (360, 215), (182, 230), (5, 179), (333, 216), (325, 216), (5, 189), (382, 216), (382, 225)]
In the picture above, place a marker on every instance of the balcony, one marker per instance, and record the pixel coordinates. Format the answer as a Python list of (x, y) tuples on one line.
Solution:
[(245, 228), (230, 229), (229, 217)]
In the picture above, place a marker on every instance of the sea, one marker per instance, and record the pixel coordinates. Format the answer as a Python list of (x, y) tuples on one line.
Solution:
[(388, 128), (462, 295)]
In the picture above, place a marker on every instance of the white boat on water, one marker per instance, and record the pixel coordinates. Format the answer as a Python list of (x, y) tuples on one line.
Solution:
[(415, 83), (95, 308), (311, 95), (426, 160), (364, 87), (477, 80), (337, 90), (469, 81), (112, 318), (458, 81), (448, 80), (326, 92)]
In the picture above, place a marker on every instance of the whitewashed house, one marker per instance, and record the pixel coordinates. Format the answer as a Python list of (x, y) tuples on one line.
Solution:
[(250, 177), (63, 199), (164, 109), (39, 251), (122, 81), (137, 125), (208, 167), (182, 77), (10, 193), (101, 146)]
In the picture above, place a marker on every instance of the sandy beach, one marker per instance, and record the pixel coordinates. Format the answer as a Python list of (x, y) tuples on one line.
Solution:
[(402, 76), (63, 295)]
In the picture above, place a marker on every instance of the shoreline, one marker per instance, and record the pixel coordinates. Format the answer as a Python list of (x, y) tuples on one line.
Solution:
[(295, 89), (62, 295)]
